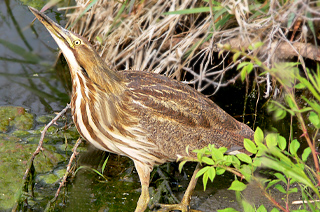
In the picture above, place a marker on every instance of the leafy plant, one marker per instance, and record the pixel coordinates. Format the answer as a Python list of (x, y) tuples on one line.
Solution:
[(273, 151)]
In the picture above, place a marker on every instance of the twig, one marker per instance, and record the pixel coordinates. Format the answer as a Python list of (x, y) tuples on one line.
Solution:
[(64, 179), (30, 167), (40, 148)]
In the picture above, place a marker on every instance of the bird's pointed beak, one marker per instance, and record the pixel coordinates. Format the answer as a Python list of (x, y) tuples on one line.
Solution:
[(58, 33)]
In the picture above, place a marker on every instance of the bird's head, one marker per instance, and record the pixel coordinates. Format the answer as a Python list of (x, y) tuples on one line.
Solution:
[(79, 53)]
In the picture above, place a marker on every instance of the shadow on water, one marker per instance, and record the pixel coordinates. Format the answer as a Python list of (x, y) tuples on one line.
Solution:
[(27, 79)]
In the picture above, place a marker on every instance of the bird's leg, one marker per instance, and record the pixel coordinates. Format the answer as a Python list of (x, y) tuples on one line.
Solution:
[(184, 205), (144, 175)]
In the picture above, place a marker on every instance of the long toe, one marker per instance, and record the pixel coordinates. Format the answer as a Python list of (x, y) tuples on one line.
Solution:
[(175, 207)]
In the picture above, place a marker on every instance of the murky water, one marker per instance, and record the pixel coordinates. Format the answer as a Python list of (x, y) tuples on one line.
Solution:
[(27, 57), (27, 79)]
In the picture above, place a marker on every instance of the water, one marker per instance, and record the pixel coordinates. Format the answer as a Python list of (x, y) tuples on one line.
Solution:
[(28, 54)]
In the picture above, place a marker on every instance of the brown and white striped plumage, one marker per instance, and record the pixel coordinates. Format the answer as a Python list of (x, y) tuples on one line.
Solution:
[(147, 117), (152, 119)]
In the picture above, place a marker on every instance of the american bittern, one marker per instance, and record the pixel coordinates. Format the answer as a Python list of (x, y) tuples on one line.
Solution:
[(144, 116)]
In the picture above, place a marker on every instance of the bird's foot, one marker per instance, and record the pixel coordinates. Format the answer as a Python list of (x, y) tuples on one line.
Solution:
[(183, 207), (143, 199)]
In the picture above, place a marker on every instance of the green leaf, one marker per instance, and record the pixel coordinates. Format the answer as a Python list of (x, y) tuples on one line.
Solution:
[(249, 68), (205, 180), (271, 140), (223, 150), (187, 149), (220, 171), (104, 164), (280, 188), (291, 103), (271, 183), (289, 169), (279, 114), (281, 177), (202, 171), (282, 143), (235, 56), (244, 157), (222, 21), (274, 210), (293, 181), (216, 154), (313, 104), (256, 162), (228, 210), (305, 154), (190, 11), (310, 23), (247, 207), (235, 161), (247, 172), (199, 156), (291, 17), (314, 119), (300, 86), (258, 136), (181, 164), (243, 73), (208, 161), (242, 65), (227, 160), (237, 186), (212, 173), (261, 209), (257, 45), (293, 190), (294, 146), (250, 146)]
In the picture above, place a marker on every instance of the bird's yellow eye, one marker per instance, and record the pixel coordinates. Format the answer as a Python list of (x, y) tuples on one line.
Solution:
[(77, 42)]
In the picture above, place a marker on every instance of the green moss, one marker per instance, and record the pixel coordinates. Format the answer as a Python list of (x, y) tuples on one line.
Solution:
[(23, 122), (15, 117), (21, 133), (13, 160), (49, 179), (60, 173), (44, 119)]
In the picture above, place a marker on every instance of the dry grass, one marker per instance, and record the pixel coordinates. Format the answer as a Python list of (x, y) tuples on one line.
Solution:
[(138, 35)]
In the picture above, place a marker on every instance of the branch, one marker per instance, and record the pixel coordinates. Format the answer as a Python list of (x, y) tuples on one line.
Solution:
[(66, 174), (40, 148)]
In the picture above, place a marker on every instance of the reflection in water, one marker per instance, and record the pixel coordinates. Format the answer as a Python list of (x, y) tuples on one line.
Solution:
[(26, 75)]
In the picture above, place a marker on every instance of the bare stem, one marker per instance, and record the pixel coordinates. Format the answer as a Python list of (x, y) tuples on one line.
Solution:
[(40, 148), (66, 174), (271, 199)]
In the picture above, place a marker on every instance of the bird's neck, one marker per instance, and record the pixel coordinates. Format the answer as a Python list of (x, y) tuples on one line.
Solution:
[(96, 71)]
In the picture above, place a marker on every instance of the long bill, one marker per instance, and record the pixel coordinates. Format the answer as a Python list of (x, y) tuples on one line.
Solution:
[(60, 34)]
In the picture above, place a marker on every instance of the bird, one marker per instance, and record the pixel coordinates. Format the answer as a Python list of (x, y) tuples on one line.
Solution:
[(145, 116)]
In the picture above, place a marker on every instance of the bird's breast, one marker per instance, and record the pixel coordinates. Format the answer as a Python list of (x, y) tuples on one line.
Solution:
[(104, 123)]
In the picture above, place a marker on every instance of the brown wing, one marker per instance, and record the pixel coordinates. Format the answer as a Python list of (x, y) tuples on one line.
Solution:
[(176, 115)]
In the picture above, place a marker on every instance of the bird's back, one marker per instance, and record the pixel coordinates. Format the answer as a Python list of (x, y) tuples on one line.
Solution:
[(175, 116)]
